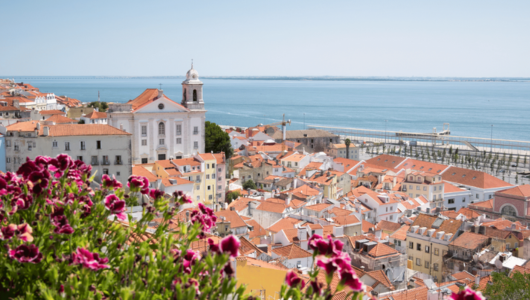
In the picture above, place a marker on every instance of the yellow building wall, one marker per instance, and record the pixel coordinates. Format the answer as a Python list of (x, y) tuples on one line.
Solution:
[(260, 280), (431, 257), (209, 182)]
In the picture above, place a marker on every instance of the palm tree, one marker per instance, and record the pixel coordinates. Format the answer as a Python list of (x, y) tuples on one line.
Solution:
[(347, 142)]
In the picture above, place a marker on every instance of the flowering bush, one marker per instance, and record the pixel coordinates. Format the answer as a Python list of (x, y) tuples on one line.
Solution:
[(62, 239)]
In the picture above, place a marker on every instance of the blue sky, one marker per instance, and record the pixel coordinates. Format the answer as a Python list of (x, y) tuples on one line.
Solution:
[(267, 38)]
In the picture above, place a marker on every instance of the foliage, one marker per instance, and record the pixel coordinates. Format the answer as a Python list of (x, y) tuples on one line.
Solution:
[(81, 122), (62, 239), (217, 140), (347, 142), (102, 106), (249, 185), (231, 196), (504, 287)]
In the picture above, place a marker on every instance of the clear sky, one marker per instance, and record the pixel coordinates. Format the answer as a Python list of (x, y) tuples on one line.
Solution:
[(470, 38)]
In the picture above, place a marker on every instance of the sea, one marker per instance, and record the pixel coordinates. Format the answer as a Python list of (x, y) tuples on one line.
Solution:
[(470, 107)]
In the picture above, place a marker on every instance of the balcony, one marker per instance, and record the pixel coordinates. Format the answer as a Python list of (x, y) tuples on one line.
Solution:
[(106, 162), (195, 132), (118, 162), (94, 163)]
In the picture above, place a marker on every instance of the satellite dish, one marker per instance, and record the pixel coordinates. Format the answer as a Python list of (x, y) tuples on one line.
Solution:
[(498, 263)]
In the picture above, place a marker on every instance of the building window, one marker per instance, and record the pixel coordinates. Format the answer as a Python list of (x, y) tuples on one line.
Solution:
[(144, 142), (207, 166), (8, 160), (195, 145), (106, 171), (118, 160), (106, 160), (118, 173), (98, 145), (179, 141), (94, 160), (83, 147), (424, 188), (426, 264), (198, 188), (66, 146), (210, 197), (207, 176), (179, 129), (213, 176), (411, 245), (219, 188), (213, 166), (144, 160), (80, 158), (436, 251), (451, 201), (161, 141), (161, 156), (209, 187), (418, 187), (418, 262), (161, 128), (196, 130), (418, 247), (435, 267), (144, 130), (427, 249), (195, 95), (464, 200)]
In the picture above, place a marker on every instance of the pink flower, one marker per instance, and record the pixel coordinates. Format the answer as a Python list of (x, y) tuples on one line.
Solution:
[(293, 280), (26, 254), (27, 168), (351, 280), (155, 194), (213, 246), (228, 270), (323, 247), (205, 217), (317, 287), (111, 183), (116, 206), (138, 184), (337, 263), (230, 244), (60, 221), (467, 294), (89, 260), (9, 231), (25, 232), (181, 198), (40, 180)]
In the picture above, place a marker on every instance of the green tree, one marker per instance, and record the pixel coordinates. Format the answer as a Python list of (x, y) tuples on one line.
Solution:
[(249, 185), (217, 140), (508, 288), (101, 106), (347, 142), (81, 122), (231, 196)]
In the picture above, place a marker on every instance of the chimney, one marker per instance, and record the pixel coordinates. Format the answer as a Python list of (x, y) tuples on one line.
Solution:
[(378, 235), (250, 208), (477, 280), (289, 198), (513, 226), (160, 93), (46, 131), (16, 103), (187, 216)]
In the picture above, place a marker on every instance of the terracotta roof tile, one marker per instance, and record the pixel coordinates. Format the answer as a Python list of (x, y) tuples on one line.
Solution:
[(366, 226), (141, 171), (470, 240), (386, 161), (285, 223), (380, 276), (485, 204), (148, 96), (346, 220), (387, 226), (240, 204), (382, 250), (291, 251), (230, 216), (520, 191), (473, 178), (59, 119), (450, 188), (401, 233), (257, 230), (246, 247), (96, 115), (272, 207)]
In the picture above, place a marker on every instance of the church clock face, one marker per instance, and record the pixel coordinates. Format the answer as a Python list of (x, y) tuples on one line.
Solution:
[(161, 106)]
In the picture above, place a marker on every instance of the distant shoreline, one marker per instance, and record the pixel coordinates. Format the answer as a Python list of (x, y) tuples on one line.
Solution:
[(293, 78)]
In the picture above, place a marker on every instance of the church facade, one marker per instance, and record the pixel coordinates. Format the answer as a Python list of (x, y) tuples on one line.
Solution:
[(162, 128)]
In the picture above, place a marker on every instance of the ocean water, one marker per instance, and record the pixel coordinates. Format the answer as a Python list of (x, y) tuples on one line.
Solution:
[(415, 106)]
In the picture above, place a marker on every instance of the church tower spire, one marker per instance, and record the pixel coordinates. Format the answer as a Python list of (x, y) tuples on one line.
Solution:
[(192, 90)]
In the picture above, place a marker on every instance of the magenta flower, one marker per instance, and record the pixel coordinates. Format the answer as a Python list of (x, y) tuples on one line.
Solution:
[(337, 263), (62, 226), (25, 232), (228, 270), (213, 246), (111, 183), (323, 247), (230, 245), (317, 287), (89, 260), (181, 198), (155, 194), (138, 184), (40, 180), (351, 280), (293, 280), (61, 163), (26, 254), (27, 168), (205, 217), (116, 206), (467, 294), (9, 231)]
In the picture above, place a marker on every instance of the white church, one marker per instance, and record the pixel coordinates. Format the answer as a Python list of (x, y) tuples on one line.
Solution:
[(162, 128)]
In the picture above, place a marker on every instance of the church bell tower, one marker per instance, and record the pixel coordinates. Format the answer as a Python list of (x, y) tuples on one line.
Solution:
[(192, 91)]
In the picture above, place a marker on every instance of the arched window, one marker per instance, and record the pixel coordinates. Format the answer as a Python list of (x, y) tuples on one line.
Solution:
[(184, 95), (161, 128), (509, 210), (194, 95)]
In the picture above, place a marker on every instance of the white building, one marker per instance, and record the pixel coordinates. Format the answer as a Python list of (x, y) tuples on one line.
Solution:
[(162, 128), (104, 147), (455, 198), (95, 117)]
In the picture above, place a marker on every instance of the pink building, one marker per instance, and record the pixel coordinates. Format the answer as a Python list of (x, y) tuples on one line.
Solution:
[(512, 203)]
